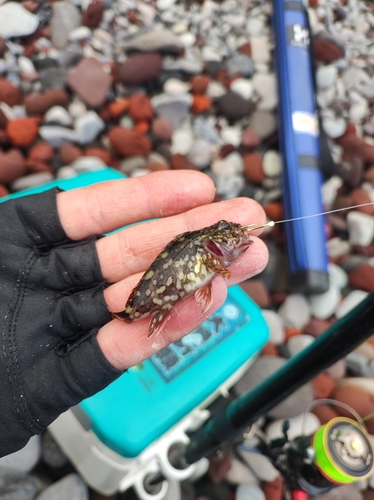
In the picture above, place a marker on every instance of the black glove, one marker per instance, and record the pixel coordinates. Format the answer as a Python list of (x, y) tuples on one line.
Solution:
[(51, 306)]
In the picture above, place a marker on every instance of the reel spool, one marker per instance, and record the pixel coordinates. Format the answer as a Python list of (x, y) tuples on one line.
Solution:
[(343, 451)]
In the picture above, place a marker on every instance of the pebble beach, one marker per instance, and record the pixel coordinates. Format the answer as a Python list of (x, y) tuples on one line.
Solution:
[(149, 85)]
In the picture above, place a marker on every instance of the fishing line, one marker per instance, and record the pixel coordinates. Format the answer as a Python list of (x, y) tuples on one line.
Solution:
[(252, 227)]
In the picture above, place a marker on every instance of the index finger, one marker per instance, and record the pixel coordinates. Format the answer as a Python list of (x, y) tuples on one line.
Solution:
[(103, 207)]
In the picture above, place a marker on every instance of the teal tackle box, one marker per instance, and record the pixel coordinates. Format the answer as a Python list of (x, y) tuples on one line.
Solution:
[(125, 433)]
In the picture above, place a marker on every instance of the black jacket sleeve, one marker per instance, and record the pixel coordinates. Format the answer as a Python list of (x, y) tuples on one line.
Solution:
[(51, 306)]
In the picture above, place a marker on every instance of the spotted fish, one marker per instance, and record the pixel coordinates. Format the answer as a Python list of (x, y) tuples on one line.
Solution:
[(186, 266)]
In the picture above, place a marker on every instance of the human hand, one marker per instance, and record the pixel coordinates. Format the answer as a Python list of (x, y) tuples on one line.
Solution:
[(59, 343)]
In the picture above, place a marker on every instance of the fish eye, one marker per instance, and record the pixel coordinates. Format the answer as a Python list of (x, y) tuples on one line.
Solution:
[(223, 225)]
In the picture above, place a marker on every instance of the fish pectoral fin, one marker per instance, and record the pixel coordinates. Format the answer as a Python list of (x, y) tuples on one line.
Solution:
[(158, 321), (204, 297)]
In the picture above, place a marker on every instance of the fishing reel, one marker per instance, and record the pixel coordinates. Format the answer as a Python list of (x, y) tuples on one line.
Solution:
[(339, 452)]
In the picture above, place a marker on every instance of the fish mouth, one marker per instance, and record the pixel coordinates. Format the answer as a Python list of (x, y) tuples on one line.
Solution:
[(226, 254)]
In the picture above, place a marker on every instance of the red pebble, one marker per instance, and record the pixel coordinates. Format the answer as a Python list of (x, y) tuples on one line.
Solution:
[(42, 151), (12, 166), (253, 168), (250, 140), (200, 104), (69, 153), (258, 292), (274, 210), (35, 166), (273, 490), (323, 385), (4, 191), (9, 93), (270, 350), (140, 107), (246, 49), (362, 277), (359, 400), (162, 129), (199, 84), (181, 162), (129, 142), (103, 154), (118, 108), (22, 131), (142, 127), (326, 50), (325, 413), (92, 16), (38, 104), (360, 195)]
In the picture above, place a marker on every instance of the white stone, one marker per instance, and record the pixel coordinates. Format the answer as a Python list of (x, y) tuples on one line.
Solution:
[(254, 26), (295, 311), (231, 135), (243, 87), (297, 343), (360, 382), (249, 492), (66, 172), (305, 424), (215, 90), (221, 166), (59, 115), (334, 126), (236, 161), (272, 163), (57, 135), (330, 189), (260, 48), (324, 304), (358, 111), (87, 164), (337, 276), (77, 108), (266, 88), (336, 247), (326, 76), (164, 4), (240, 473), (210, 53), (259, 464), (360, 228), (26, 65), (275, 325), (139, 172), (79, 34), (15, 21), (182, 141), (350, 302), (188, 39), (88, 127), (174, 86)]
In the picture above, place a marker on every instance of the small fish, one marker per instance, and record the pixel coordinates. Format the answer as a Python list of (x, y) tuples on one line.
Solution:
[(186, 266)]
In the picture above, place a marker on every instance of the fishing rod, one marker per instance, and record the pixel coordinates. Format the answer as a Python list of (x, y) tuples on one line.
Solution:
[(338, 453)]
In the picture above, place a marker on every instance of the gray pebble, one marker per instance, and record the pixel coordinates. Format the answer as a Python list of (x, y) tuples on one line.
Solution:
[(26, 458), (346, 492), (200, 153), (16, 485), (31, 181), (357, 364), (266, 365), (70, 486), (160, 40), (134, 162), (175, 109), (240, 64), (88, 127), (65, 18), (57, 135)]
